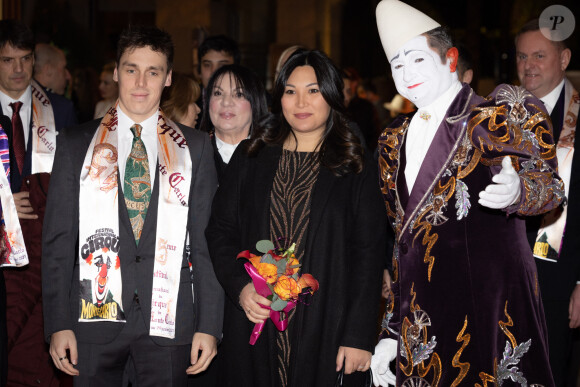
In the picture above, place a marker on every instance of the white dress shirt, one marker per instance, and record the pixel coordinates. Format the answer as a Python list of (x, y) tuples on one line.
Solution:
[(224, 149), (551, 99), (125, 142), (421, 132), (25, 110)]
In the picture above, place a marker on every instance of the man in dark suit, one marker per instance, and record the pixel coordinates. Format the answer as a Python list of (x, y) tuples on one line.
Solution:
[(32, 116), (117, 284), (541, 64)]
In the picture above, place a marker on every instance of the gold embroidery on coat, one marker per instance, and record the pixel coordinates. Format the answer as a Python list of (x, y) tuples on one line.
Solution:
[(413, 334), (464, 367)]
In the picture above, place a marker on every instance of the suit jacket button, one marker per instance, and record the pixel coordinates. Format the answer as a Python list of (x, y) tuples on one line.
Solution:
[(138, 259), (404, 248)]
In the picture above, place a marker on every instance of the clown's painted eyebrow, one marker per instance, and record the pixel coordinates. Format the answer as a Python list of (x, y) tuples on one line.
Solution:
[(406, 53)]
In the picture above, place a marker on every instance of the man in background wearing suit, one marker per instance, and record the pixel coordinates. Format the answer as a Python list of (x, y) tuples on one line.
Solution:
[(119, 264), (541, 65), (33, 117)]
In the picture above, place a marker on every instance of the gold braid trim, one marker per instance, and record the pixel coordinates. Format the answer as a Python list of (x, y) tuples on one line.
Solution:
[(464, 367), (492, 141), (434, 364), (503, 326), (462, 172), (509, 323), (408, 368), (487, 377)]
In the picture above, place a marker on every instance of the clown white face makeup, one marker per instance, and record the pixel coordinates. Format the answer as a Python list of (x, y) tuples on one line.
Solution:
[(419, 74)]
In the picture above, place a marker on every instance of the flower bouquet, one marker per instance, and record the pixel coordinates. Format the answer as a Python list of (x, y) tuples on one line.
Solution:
[(275, 277)]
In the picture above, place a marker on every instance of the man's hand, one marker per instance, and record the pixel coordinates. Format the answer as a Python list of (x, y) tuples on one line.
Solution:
[(386, 284), (59, 342), (505, 191), (574, 308), (251, 302), (354, 359), (23, 207), (385, 353), (205, 343)]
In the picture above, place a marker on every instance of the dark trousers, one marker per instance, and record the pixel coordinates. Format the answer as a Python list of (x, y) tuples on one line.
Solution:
[(153, 365)]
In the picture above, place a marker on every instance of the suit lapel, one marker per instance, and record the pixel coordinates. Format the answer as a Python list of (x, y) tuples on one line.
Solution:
[(440, 153), (557, 115)]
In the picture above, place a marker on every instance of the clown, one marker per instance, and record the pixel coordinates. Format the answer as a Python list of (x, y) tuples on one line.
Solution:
[(465, 307), (103, 264)]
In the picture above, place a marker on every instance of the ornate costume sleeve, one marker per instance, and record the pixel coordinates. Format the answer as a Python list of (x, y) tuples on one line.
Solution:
[(512, 122), (389, 145)]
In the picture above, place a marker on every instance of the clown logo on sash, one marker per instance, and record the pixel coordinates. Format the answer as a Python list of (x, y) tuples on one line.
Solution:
[(100, 266)]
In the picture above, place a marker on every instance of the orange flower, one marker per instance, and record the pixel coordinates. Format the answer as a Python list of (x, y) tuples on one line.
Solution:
[(255, 260), (292, 262), (268, 271), (308, 281), (287, 288)]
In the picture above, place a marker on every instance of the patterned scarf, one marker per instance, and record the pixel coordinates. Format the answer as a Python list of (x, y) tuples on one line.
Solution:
[(100, 266)]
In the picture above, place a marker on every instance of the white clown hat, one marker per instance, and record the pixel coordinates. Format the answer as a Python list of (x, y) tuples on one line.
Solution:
[(398, 23)]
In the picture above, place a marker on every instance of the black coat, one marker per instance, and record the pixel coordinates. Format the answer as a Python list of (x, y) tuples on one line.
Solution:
[(345, 251)]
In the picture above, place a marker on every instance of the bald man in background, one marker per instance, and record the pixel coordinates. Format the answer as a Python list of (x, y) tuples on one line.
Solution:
[(50, 69)]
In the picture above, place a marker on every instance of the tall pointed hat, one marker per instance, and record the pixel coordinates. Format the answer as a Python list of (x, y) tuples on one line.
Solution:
[(398, 23)]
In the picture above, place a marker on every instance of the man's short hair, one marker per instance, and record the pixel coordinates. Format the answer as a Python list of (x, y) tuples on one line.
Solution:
[(146, 36), (534, 25), (219, 43), (17, 34), (440, 40)]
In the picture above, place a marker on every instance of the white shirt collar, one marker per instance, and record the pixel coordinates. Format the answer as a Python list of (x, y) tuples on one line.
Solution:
[(148, 125), (438, 108), (225, 150), (25, 98), (422, 130), (551, 99)]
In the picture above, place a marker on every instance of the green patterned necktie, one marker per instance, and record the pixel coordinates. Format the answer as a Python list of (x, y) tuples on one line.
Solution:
[(137, 183)]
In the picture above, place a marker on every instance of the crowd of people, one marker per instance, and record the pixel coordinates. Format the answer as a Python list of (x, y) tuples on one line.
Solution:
[(132, 244)]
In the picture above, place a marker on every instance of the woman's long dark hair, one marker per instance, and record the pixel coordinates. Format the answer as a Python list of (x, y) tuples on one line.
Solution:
[(339, 149), (243, 78)]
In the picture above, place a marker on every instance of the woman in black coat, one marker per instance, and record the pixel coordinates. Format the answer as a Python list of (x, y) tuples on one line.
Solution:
[(302, 178)]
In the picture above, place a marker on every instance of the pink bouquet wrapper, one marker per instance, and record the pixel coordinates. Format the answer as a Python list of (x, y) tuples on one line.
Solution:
[(263, 290)]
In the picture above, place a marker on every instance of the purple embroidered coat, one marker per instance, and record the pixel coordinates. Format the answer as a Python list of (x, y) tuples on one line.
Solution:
[(466, 306)]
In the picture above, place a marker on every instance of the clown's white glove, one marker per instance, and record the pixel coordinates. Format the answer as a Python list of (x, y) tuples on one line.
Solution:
[(385, 353), (505, 191)]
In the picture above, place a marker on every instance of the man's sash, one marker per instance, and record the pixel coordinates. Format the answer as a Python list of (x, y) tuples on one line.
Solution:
[(43, 131), (100, 267), (12, 248), (549, 240)]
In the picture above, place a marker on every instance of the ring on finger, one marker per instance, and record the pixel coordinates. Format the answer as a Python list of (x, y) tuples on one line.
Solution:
[(62, 358)]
